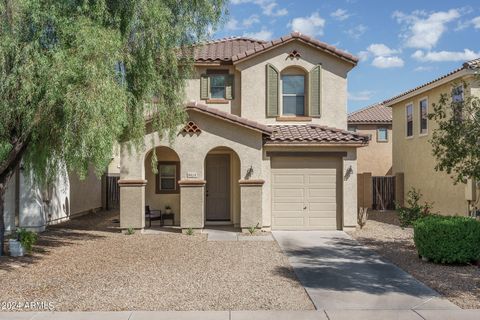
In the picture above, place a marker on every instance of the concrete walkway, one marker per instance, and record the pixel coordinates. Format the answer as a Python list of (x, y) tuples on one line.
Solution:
[(251, 315), (340, 274)]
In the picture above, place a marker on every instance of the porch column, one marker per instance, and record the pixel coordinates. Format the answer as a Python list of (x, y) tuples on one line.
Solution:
[(250, 203), (132, 203), (192, 204)]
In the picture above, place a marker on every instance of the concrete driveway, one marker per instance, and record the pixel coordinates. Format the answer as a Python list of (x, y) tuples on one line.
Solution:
[(339, 273)]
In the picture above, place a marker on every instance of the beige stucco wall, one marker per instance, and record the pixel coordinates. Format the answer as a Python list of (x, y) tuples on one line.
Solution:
[(333, 79), (377, 156), (413, 156), (87, 194)]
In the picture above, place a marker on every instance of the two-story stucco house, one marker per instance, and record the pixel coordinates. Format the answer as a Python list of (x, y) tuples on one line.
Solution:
[(376, 122), (412, 151), (265, 142)]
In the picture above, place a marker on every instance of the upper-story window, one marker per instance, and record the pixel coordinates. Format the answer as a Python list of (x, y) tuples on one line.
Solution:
[(293, 95), (382, 135), (352, 129), (423, 116), (457, 94), (457, 99), (409, 120), (216, 85)]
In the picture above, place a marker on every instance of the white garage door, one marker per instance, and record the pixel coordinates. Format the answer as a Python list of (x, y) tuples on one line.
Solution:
[(304, 193)]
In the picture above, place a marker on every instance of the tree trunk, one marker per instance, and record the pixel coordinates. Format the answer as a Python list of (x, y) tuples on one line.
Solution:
[(3, 187)]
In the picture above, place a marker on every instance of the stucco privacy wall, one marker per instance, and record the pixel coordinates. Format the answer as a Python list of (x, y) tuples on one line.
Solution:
[(87, 194), (333, 82), (377, 156), (348, 187), (192, 150), (192, 89), (413, 156)]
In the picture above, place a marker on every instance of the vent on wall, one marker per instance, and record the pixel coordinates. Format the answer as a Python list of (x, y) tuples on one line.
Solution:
[(294, 54), (191, 127)]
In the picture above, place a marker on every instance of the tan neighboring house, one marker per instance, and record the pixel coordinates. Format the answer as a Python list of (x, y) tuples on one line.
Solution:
[(376, 122), (412, 151), (266, 142)]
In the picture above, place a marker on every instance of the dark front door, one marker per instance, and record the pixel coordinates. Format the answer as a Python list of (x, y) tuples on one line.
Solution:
[(218, 187)]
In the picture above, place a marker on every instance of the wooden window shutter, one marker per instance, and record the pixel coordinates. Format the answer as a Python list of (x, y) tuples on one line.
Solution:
[(204, 87), (229, 86), (272, 96), (315, 90)]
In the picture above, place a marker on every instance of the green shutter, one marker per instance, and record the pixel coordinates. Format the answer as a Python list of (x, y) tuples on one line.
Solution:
[(229, 86), (204, 87), (315, 90), (272, 91)]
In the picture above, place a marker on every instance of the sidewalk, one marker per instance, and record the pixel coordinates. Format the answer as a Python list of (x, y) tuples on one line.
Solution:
[(250, 315)]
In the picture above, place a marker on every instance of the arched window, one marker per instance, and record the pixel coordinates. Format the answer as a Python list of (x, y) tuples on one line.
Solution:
[(293, 84)]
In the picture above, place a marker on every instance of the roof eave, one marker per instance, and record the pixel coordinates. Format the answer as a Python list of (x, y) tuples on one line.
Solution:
[(369, 122), (313, 144), (458, 74)]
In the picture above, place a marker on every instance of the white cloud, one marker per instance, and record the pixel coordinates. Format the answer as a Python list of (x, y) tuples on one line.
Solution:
[(253, 19), (261, 35), (361, 95), (232, 24), (441, 56), (476, 22), (379, 49), (357, 31), (340, 14), (423, 68), (269, 7), (312, 25), (424, 30), (388, 62), (383, 56)]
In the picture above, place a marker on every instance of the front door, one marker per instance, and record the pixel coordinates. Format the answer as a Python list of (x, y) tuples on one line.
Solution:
[(218, 187)]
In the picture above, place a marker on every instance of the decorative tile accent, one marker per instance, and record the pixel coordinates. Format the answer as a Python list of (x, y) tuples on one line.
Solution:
[(191, 127)]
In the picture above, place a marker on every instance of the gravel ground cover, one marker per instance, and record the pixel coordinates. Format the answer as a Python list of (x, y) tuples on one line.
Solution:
[(459, 284), (86, 264)]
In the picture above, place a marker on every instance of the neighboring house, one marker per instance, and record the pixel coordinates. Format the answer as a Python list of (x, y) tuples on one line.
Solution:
[(266, 142), (376, 122), (412, 151), (31, 207)]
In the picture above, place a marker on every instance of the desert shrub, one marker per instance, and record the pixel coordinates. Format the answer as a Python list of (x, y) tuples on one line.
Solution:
[(448, 239), (414, 210), (27, 238)]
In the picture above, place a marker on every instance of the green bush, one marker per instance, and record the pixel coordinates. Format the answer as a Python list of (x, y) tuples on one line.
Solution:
[(447, 239), (27, 238), (414, 210)]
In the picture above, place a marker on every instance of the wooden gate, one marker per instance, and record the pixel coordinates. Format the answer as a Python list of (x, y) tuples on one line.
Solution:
[(383, 193), (113, 192)]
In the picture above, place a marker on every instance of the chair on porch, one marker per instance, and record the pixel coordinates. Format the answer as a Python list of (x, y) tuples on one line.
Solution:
[(152, 215)]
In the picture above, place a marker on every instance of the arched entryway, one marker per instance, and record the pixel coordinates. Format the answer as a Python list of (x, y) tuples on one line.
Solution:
[(162, 191), (222, 191)]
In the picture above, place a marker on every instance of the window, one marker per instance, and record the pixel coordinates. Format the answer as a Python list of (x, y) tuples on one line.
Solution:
[(409, 118), (457, 99), (352, 129), (293, 94), (382, 135), (217, 86), (423, 116), (167, 177)]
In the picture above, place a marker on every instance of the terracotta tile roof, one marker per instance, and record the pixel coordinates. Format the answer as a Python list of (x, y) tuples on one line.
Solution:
[(304, 134), (235, 49), (193, 105), (472, 64), (376, 113), (224, 49)]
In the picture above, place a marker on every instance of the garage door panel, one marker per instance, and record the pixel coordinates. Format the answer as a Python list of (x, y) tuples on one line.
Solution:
[(304, 193), (288, 221), (291, 179), (322, 223)]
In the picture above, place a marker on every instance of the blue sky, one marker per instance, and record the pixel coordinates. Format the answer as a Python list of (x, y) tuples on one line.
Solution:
[(401, 44)]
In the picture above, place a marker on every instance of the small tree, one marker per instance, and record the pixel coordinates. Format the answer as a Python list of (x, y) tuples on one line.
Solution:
[(75, 76), (456, 140)]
